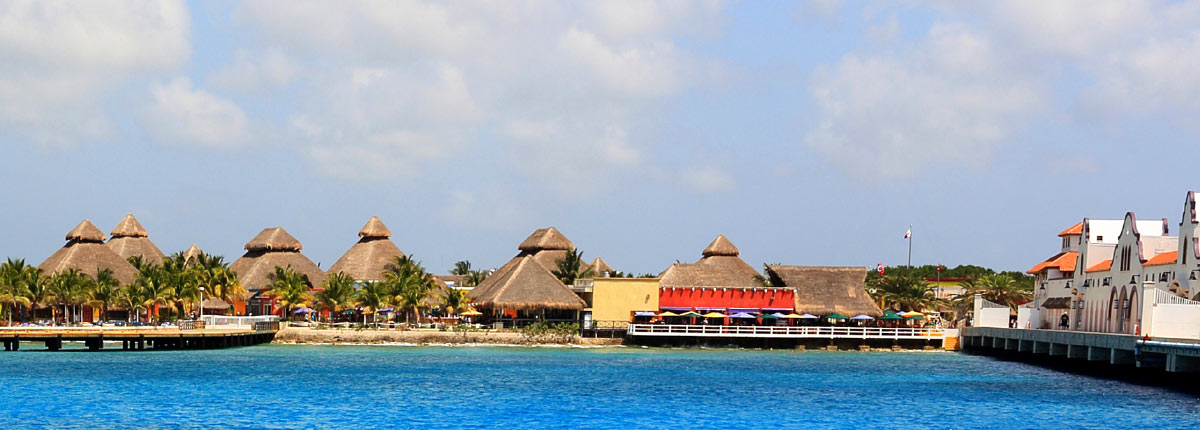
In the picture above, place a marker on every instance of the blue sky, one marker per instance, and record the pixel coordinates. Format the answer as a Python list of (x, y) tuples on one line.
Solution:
[(808, 133)]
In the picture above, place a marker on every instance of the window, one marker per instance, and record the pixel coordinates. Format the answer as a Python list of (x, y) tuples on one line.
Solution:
[(1099, 238)]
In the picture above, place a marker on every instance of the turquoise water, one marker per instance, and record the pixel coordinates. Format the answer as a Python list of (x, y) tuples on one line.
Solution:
[(517, 388)]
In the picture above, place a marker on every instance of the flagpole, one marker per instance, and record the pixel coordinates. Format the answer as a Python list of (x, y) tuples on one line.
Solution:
[(910, 247)]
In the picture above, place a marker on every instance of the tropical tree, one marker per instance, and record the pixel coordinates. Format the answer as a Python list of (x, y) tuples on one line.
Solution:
[(408, 284), (453, 300), (69, 289), (568, 267), (290, 289), (151, 287), (904, 293), (371, 297), (104, 292), (461, 268), (471, 277), (131, 298), (14, 285), (337, 294), (1000, 289), (212, 273)]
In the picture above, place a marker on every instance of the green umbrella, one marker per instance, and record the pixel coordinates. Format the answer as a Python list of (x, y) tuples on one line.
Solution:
[(837, 316), (891, 316), (916, 317), (690, 314), (768, 316)]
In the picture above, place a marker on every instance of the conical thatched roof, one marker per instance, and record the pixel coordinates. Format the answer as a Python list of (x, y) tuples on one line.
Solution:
[(215, 303), (86, 231), (822, 290), (599, 267), (192, 252), (375, 229), (721, 246), (523, 284), (274, 239), (129, 238), (545, 239), (273, 247), (367, 259), (719, 267), (85, 251), (129, 227)]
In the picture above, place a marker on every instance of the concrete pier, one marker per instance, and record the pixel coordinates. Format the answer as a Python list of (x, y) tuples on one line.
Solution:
[(1169, 355), (138, 339)]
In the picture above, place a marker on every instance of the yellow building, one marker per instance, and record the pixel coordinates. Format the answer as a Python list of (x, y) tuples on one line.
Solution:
[(616, 299)]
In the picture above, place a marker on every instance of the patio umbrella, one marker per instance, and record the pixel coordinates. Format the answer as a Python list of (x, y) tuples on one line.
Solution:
[(471, 313), (862, 317), (714, 315), (690, 314), (915, 317), (772, 316), (668, 314), (836, 316), (742, 315), (644, 314), (911, 314), (302, 311), (385, 310), (890, 316)]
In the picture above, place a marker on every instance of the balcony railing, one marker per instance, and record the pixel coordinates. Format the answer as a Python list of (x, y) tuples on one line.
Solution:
[(785, 331)]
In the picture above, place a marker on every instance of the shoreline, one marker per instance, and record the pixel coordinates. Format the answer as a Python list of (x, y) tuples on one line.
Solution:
[(425, 337)]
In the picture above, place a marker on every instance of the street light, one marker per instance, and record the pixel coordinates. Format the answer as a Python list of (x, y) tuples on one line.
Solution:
[(201, 302)]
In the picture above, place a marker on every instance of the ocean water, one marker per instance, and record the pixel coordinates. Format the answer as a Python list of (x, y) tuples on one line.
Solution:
[(459, 387)]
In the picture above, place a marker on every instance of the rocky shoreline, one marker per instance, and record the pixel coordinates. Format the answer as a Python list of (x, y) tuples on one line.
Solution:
[(300, 335)]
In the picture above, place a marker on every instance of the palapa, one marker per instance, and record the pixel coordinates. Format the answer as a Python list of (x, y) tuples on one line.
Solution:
[(719, 266), (599, 267), (273, 247), (825, 290), (85, 251), (369, 257), (527, 281), (129, 238), (192, 252)]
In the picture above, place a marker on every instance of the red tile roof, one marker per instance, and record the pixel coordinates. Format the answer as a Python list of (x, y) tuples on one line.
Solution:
[(1163, 259), (1076, 229), (1064, 262), (1100, 267)]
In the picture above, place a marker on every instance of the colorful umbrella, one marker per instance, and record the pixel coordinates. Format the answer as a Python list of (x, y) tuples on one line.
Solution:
[(836, 316)]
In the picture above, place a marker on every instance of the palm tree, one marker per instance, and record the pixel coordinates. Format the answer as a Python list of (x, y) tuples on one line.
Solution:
[(371, 297), (461, 268), (408, 284), (1000, 289), (568, 267), (151, 288), (212, 273), (14, 285), (338, 293), (905, 293), (103, 292), (131, 298), (69, 289), (290, 288), (475, 278), (453, 300)]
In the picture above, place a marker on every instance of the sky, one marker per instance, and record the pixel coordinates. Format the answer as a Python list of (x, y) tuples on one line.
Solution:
[(808, 133)]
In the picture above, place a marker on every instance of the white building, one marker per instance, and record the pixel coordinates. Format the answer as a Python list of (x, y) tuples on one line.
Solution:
[(1099, 276)]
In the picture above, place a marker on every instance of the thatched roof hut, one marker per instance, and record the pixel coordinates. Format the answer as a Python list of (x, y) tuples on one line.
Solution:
[(85, 251), (823, 290), (192, 252), (273, 247), (719, 266), (599, 267), (216, 304), (129, 238), (367, 259), (527, 281)]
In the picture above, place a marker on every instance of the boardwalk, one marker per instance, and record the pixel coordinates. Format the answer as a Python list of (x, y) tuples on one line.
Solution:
[(139, 338), (785, 332)]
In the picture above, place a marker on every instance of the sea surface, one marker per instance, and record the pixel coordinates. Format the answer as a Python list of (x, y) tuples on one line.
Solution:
[(285, 386)]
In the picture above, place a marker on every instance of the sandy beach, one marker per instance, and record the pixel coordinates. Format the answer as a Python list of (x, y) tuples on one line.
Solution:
[(303, 335)]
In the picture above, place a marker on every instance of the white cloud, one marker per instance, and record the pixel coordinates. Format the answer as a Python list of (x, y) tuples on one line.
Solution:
[(555, 86), (179, 113), (62, 59), (252, 73), (949, 98)]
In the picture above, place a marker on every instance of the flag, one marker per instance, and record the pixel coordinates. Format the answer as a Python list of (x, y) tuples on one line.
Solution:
[(908, 233), (879, 268)]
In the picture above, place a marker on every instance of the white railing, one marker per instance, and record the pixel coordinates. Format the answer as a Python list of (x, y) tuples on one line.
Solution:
[(1166, 298), (224, 321), (785, 331)]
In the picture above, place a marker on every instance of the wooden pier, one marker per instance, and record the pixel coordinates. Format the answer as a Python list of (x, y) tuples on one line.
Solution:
[(139, 338)]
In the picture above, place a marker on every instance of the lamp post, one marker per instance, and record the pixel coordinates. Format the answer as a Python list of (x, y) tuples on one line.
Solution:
[(201, 303)]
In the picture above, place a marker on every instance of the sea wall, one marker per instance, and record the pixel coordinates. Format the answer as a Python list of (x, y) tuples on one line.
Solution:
[(300, 335)]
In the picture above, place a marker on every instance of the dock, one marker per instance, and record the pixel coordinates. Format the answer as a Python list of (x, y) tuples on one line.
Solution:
[(1169, 355), (140, 338), (858, 337)]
